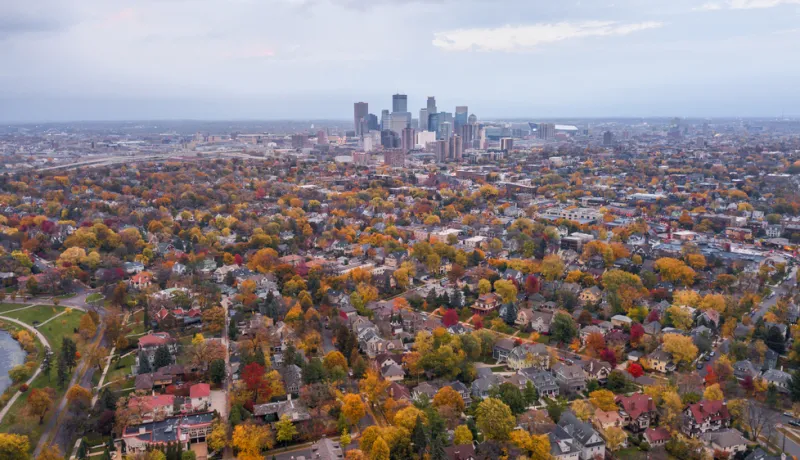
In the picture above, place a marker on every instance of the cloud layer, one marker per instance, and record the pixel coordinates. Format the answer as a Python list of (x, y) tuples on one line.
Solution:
[(524, 38), (746, 4)]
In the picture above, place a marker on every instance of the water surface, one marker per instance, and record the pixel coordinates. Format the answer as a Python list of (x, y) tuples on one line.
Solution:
[(11, 354)]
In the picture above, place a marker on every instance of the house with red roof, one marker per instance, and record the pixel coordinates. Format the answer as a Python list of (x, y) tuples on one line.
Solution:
[(152, 407), (148, 344), (141, 280), (638, 411), (657, 436), (705, 416), (200, 397)]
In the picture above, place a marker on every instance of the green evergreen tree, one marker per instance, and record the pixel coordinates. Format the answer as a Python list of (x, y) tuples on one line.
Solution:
[(162, 357), (144, 364), (418, 437)]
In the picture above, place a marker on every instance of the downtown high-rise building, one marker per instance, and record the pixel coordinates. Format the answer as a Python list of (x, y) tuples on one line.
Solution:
[(468, 133), (360, 115), (431, 106), (441, 151), (456, 148), (384, 119), (546, 131), (399, 103), (507, 144), (408, 139), (462, 117), (423, 119), (445, 130)]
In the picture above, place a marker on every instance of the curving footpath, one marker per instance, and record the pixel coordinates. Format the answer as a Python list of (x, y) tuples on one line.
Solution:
[(44, 341)]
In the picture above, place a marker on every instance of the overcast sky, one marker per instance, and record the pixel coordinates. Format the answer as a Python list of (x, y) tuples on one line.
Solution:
[(304, 59)]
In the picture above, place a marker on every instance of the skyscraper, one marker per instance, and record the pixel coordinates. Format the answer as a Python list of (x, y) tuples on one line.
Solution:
[(507, 144), (456, 148), (408, 139), (399, 103), (373, 123), (399, 121), (546, 131), (360, 113), (445, 130), (423, 119), (384, 119), (433, 122), (462, 116), (608, 139), (431, 105), (468, 133), (442, 148)]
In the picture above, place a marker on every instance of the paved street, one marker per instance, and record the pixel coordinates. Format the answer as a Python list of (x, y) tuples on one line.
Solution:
[(782, 289)]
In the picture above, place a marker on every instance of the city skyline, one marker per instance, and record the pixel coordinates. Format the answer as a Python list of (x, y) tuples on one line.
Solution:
[(90, 60)]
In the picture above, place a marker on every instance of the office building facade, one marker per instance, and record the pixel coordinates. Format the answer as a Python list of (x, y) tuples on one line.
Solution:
[(399, 103), (360, 115)]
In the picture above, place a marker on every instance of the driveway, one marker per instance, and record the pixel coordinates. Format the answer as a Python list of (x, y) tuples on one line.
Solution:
[(219, 403)]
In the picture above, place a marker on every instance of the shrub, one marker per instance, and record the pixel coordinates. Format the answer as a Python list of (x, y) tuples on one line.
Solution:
[(23, 388)]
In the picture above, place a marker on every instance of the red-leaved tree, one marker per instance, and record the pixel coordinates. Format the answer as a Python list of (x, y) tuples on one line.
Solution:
[(635, 370), (450, 317)]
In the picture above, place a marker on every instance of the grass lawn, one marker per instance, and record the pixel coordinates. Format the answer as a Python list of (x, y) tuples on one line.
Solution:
[(94, 297), (36, 315), (523, 335), (120, 368), (4, 307)]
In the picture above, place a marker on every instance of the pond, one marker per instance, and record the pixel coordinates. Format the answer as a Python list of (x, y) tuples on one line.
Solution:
[(11, 354)]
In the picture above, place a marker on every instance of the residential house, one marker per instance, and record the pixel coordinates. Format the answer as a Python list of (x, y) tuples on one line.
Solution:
[(637, 410), (621, 321), (604, 420), (541, 321), (597, 370), (486, 303), (657, 436), (729, 440), (460, 452), (705, 416), (661, 361), (581, 435), (744, 369), (292, 379), (141, 280), (590, 296), (502, 348), (543, 381), (327, 449), (527, 355), (152, 407), (780, 379), (183, 429), (148, 344), (571, 378), (200, 397)]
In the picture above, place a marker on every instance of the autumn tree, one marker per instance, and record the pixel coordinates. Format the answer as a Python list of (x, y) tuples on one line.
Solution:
[(603, 400), (373, 385), (78, 398), (494, 419), (14, 446), (675, 270), (87, 327), (462, 435), (250, 439), (506, 290), (50, 452), (286, 431), (680, 347), (353, 408), (615, 437), (39, 402), (713, 393), (552, 267), (537, 446)]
